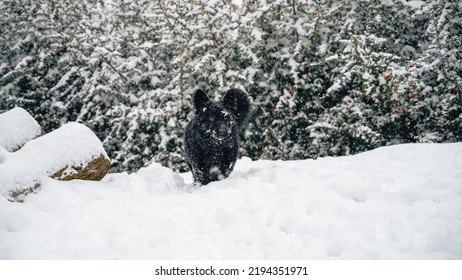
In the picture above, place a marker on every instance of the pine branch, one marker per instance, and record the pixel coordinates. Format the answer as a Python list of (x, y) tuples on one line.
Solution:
[(113, 68)]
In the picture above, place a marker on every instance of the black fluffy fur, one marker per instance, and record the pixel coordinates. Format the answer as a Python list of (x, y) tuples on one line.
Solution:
[(211, 137)]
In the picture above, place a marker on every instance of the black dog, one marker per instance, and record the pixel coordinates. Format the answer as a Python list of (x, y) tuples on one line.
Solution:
[(211, 137)]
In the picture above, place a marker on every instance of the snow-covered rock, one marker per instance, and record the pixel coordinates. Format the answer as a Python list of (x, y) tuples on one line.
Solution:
[(71, 152), (17, 127), (399, 202)]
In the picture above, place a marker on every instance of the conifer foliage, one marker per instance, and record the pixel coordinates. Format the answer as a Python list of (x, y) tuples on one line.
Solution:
[(326, 77)]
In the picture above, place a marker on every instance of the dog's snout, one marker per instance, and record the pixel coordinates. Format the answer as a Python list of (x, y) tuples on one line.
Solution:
[(222, 131)]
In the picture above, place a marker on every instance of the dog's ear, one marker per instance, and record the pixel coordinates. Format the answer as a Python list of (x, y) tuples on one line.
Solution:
[(200, 98), (238, 103)]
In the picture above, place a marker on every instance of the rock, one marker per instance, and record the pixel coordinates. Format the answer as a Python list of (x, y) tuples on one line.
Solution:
[(95, 170), (17, 127), (70, 152), (19, 195)]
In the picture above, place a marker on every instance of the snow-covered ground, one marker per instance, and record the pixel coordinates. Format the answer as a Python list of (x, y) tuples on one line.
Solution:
[(399, 202)]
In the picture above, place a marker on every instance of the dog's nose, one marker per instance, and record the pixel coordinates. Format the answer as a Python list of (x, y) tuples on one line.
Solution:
[(222, 131)]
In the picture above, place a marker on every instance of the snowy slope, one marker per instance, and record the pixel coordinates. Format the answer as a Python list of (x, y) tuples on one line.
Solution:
[(399, 202)]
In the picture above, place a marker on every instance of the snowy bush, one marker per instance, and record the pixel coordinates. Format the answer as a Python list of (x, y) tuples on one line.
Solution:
[(327, 77)]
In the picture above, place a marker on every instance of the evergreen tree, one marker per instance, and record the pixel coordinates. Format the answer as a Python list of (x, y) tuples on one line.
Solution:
[(327, 78)]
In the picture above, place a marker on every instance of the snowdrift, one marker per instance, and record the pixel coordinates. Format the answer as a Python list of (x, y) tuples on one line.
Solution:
[(399, 202)]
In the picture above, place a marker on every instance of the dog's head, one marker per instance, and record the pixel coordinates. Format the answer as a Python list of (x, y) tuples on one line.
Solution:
[(214, 120)]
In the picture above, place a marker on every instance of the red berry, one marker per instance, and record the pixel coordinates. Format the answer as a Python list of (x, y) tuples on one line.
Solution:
[(413, 95)]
